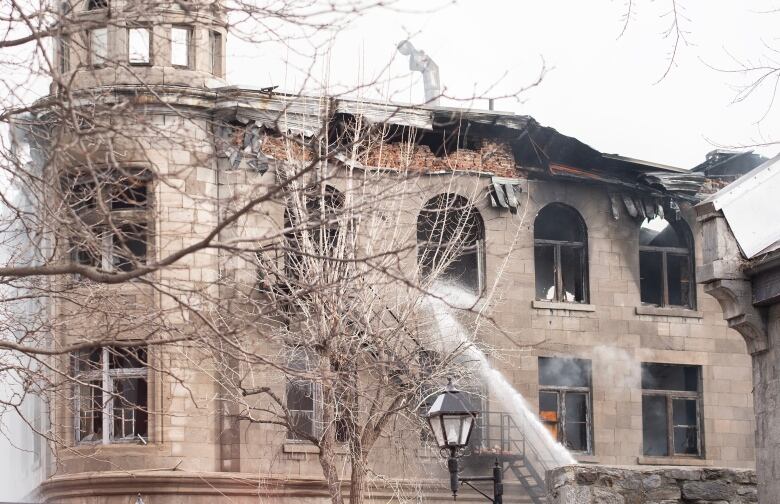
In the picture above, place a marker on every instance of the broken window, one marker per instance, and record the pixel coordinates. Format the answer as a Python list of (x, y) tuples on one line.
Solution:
[(560, 255), (301, 399), (313, 233), (111, 394), (565, 401), (181, 38), (139, 46), (97, 40), (665, 264), (118, 244), (96, 4), (451, 241), (215, 45), (671, 410)]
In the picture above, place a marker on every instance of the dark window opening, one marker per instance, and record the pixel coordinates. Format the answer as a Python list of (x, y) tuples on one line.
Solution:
[(560, 255), (129, 247), (671, 416), (97, 4), (64, 54), (314, 235), (128, 196), (120, 375), (450, 242), (565, 401), (666, 264)]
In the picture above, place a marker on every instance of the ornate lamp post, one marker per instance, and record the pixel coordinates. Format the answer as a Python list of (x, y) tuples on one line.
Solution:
[(452, 419)]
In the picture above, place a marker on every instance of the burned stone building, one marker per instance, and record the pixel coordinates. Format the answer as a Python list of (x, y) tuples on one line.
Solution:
[(590, 258)]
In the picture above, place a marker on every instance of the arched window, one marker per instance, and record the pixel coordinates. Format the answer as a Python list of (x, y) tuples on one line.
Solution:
[(313, 235), (560, 255), (450, 241), (666, 263)]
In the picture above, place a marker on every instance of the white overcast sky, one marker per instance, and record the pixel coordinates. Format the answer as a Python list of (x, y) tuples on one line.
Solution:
[(601, 88)]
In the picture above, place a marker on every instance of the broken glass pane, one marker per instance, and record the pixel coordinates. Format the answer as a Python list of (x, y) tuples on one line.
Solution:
[(654, 426), (560, 223), (544, 267), (463, 270), (678, 279), (659, 232), (572, 262), (90, 397), (576, 435), (686, 441), (129, 408), (548, 411), (650, 277)]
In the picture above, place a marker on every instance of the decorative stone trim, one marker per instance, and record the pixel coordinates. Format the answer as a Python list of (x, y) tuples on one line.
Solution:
[(554, 305), (736, 299), (666, 311)]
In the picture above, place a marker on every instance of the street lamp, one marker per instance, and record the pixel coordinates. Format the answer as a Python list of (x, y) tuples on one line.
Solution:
[(452, 419)]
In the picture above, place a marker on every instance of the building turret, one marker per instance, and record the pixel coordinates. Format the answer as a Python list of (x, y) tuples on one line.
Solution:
[(141, 42)]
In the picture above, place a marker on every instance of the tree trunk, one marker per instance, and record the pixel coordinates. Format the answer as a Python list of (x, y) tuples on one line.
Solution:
[(357, 481), (327, 462)]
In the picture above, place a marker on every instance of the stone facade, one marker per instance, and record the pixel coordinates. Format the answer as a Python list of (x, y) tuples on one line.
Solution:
[(620, 485), (197, 452)]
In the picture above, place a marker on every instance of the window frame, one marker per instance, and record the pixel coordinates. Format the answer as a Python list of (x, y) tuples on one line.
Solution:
[(190, 36), (688, 252), (150, 51), (558, 282), (428, 250), (128, 218), (670, 396), (216, 53), (91, 5), (63, 53), (107, 378), (562, 391)]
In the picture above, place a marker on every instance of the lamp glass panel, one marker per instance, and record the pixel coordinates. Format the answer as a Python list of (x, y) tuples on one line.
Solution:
[(465, 429), (452, 428), (438, 432)]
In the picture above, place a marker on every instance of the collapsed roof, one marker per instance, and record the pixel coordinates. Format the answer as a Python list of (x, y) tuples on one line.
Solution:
[(645, 188)]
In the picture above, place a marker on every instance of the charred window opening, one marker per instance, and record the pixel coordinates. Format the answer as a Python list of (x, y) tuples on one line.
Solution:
[(96, 4), (666, 264), (111, 394), (301, 396), (671, 410), (117, 241), (313, 234), (450, 242), (565, 401), (560, 255)]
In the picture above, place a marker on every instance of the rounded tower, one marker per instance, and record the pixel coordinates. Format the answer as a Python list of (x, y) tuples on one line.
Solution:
[(141, 42)]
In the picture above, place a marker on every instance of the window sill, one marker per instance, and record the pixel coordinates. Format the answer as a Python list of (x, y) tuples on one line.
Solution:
[(672, 461), (585, 458), (306, 447), (555, 305), (668, 312)]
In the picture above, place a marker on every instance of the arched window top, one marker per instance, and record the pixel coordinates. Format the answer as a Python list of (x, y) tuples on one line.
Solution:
[(449, 218), (659, 232), (558, 222)]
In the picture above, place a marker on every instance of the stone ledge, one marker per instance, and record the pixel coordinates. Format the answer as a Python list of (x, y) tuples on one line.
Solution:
[(673, 461), (668, 312), (554, 305), (306, 447)]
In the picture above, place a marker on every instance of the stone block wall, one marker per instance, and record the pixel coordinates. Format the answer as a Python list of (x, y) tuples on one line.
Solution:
[(582, 484)]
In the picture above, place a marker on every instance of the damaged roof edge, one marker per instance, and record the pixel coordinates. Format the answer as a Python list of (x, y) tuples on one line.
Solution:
[(533, 145)]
